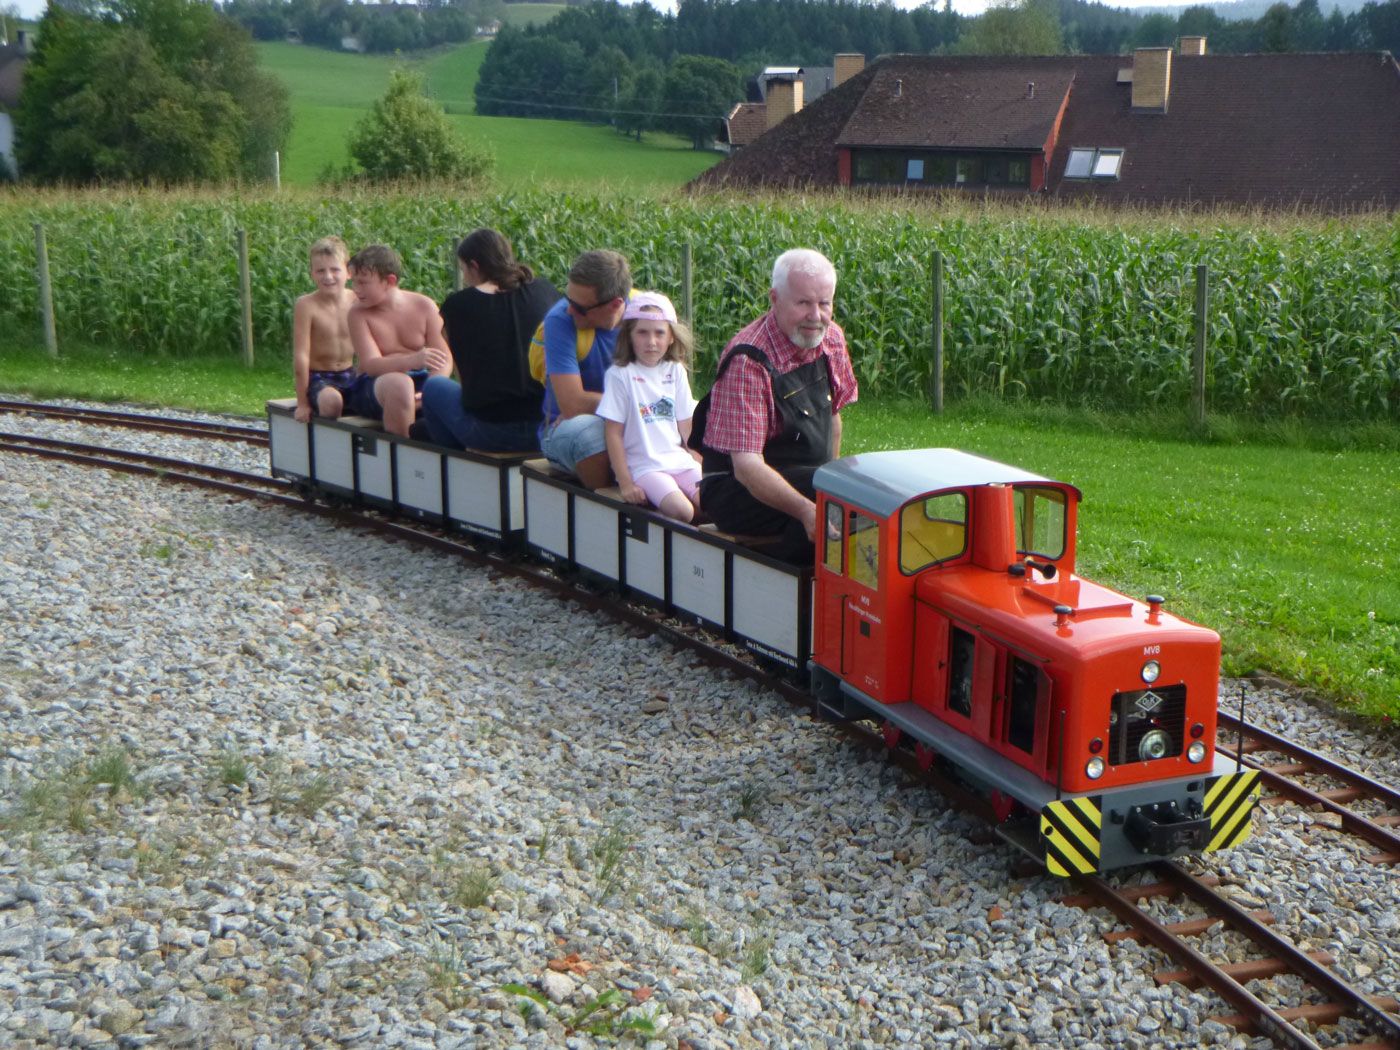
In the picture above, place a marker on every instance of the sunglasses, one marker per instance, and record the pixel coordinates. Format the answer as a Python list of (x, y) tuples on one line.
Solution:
[(580, 309)]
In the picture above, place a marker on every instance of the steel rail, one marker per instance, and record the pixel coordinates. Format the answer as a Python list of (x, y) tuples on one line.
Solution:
[(140, 421), (98, 453), (1299, 962), (1270, 1021), (237, 483), (1266, 1018), (1381, 837), (1321, 763)]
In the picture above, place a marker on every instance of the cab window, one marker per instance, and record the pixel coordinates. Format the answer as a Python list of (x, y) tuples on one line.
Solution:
[(832, 545), (864, 557), (1040, 521), (932, 530)]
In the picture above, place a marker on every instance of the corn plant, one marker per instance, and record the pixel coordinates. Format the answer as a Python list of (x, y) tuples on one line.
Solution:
[(1071, 305)]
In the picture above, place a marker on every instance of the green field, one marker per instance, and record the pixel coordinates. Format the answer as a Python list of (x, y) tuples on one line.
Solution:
[(331, 90), (531, 14)]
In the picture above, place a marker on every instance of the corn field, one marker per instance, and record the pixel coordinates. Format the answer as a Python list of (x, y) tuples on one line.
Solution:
[(1304, 315)]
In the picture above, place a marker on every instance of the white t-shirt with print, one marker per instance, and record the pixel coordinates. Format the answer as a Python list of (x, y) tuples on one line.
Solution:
[(649, 402)]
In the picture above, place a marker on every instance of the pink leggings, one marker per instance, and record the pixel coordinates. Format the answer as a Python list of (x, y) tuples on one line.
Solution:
[(661, 483)]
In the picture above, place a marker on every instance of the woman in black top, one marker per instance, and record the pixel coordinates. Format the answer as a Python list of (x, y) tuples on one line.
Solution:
[(488, 324)]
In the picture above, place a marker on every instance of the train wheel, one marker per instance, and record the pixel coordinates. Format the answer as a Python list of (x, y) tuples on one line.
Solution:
[(923, 754), (892, 734)]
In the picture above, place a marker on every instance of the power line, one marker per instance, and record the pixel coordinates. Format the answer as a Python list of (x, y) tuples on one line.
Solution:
[(592, 109)]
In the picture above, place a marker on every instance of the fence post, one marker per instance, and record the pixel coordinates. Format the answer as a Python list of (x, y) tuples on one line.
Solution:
[(41, 251), (245, 289), (687, 274), (1198, 352), (277, 169), (938, 332)]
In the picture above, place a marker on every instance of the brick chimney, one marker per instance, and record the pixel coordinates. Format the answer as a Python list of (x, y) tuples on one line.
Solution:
[(1152, 79), (784, 99), (1192, 45), (848, 64)]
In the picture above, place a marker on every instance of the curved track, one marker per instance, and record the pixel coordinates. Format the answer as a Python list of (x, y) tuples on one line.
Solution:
[(252, 435), (1241, 985)]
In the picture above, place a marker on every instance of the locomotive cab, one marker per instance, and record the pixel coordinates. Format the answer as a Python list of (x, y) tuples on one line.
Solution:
[(947, 607)]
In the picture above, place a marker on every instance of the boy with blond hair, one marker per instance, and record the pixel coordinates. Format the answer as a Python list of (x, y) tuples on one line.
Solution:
[(398, 340), (322, 354)]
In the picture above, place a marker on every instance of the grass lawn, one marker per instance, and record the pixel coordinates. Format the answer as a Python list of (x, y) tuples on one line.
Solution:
[(332, 90), (1279, 544), (530, 14)]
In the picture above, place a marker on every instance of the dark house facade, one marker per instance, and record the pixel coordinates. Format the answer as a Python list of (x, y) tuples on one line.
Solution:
[(1159, 126)]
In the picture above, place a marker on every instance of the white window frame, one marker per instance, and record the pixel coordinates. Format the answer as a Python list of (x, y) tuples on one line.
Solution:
[(1098, 159)]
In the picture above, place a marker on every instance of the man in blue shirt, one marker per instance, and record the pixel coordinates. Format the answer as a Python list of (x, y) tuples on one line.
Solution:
[(571, 436)]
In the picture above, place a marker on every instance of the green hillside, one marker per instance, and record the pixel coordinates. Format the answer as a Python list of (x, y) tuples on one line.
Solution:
[(331, 90), (531, 14)]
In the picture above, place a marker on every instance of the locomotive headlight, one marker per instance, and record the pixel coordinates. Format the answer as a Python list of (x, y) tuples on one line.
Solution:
[(1154, 744), (1093, 769), (1150, 671), (1197, 751)]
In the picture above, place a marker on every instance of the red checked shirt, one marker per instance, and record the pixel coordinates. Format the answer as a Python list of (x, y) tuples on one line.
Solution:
[(743, 417)]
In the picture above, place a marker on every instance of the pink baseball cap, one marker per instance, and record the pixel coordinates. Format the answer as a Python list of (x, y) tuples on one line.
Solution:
[(649, 306)]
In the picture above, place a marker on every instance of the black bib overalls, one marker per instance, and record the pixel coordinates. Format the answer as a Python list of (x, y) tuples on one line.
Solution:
[(803, 400)]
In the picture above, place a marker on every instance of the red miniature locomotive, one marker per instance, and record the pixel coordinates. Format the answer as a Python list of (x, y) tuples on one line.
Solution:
[(946, 606)]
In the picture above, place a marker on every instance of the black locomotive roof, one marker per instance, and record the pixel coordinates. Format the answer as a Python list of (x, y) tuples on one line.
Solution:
[(882, 482)]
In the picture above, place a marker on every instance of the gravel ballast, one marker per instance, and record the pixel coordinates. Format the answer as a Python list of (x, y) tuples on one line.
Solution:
[(266, 782)]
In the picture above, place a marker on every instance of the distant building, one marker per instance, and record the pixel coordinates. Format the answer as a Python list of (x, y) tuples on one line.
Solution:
[(1156, 127), (780, 91)]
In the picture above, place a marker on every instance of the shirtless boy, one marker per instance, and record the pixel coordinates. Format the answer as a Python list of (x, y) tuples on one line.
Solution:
[(398, 340), (322, 354)]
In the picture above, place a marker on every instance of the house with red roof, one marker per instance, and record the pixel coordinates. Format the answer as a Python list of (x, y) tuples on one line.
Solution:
[(1162, 126)]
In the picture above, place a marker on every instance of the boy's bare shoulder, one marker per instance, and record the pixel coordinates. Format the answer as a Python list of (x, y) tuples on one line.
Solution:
[(422, 302)]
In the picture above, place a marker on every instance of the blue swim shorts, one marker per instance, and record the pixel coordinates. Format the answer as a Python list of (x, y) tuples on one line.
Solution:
[(362, 402), (343, 380)]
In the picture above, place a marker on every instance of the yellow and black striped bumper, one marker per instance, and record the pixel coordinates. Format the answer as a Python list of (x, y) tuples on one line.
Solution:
[(1072, 832), (1229, 803)]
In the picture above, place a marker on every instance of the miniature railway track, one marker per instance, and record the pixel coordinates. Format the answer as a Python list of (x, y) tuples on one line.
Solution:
[(1232, 981), (271, 490), (234, 482), (141, 421), (1338, 1000), (1345, 803)]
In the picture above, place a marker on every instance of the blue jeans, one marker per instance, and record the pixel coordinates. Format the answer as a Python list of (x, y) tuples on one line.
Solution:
[(571, 440), (452, 426)]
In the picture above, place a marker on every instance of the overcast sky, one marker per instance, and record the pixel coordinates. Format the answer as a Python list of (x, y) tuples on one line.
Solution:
[(34, 8)]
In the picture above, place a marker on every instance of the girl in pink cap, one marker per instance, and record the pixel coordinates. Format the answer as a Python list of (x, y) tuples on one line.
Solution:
[(646, 409)]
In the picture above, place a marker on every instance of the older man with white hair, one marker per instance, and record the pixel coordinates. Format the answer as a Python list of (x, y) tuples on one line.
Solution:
[(774, 413)]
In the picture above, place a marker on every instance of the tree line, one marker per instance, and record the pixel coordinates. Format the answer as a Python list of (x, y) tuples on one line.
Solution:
[(380, 28), (154, 91), (603, 61), (168, 91)]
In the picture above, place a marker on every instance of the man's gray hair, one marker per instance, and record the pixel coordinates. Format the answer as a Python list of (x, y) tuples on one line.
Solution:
[(800, 260)]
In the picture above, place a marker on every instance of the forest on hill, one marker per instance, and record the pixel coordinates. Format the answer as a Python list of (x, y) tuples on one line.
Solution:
[(604, 61)]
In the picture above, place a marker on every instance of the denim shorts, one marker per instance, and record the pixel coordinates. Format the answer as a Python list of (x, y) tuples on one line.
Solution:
[(568, 441)]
